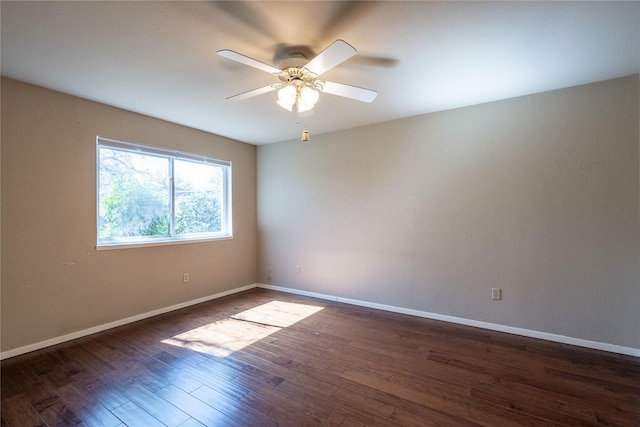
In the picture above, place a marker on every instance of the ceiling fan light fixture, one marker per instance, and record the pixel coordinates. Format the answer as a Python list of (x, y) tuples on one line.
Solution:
[(287, 97), (308, 97), (300, 85), (286, 106), (301, 107), (304, 97)]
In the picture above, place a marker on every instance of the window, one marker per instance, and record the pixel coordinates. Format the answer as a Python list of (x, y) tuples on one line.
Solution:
[(150, 195)]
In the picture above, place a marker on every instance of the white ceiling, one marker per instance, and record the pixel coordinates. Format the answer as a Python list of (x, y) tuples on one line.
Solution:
[(159, 58)]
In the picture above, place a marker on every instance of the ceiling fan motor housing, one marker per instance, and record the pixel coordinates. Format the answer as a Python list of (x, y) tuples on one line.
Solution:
[(296, 60), (300, 77)]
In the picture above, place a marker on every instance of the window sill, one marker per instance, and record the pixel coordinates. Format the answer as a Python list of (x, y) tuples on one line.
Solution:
[(163, 242)]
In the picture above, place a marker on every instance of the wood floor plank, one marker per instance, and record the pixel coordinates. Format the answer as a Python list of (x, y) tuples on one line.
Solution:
[(172, 377), (10, 383), (598, 407), (91, 411), (308, 362), (279, 406), (327, 367), (201, 412), (133, 415), (192, 422), (552, 411), (368, 400), (213, 375), (43, 396), (18, 411), (238, 411), (156, 406), (108, 396)]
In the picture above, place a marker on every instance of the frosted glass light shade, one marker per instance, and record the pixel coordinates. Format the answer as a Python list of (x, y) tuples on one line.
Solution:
[(287, 97), (307, 99), (309, 95), (304, 98)]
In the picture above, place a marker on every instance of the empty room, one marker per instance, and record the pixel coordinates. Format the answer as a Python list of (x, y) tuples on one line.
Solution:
[(329, 213)]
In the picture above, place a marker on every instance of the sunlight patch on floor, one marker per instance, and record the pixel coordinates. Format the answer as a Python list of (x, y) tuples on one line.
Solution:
[(226, 336)]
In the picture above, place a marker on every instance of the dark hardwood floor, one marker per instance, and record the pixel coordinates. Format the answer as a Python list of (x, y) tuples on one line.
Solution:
[(263, 358)]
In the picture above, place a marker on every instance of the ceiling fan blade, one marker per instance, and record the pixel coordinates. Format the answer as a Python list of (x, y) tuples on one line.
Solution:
[(353, 92), (251, 93), (337, 52), (235, 56)]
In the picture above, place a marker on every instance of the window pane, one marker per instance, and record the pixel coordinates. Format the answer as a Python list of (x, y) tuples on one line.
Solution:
[(198, 197), (149, 195), (134, 195)]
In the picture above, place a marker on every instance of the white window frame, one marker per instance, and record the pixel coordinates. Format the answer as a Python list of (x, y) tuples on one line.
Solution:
[(142, 241)]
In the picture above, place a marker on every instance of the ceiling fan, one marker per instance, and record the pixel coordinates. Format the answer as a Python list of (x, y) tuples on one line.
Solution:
[(300, 84)]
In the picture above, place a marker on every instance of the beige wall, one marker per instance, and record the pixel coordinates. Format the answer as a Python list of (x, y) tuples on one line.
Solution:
[(536, 195), (54, 282)]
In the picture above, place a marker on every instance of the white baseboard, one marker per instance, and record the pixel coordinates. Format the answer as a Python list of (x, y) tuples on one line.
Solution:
[(459, 320), (58, 340), (462, 321)]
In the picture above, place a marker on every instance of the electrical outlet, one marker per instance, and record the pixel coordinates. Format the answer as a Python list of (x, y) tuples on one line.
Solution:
[(298, 269), (185, 277), (496, 293), (268, 276)]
